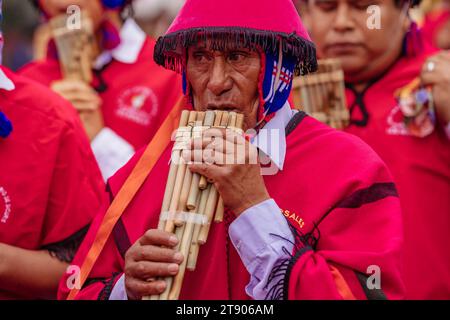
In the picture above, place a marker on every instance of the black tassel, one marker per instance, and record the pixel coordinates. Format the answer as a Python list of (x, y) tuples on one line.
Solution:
[(278, 280)]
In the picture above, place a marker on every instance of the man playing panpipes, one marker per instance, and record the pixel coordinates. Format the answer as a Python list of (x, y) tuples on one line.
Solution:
[(50, 187), (389, 71), (316, 228), (129, 95)]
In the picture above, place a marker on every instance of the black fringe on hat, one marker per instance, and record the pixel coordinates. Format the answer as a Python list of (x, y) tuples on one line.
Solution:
[(169, 49)]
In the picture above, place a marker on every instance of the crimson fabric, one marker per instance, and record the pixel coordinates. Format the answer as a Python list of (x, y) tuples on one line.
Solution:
[(279, 16), (433, 24), (138, 96), (357, 228), (256, 24), (421, 171), (49, 179)]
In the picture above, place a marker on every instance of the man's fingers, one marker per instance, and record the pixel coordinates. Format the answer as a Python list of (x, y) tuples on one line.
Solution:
[(154, 253), (148, 269), (159, 238), (226, 134), (211, 172), (144, 288)]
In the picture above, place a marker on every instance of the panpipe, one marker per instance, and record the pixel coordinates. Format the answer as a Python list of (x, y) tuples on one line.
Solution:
[(190, 202), (322, 94), (76, 47)]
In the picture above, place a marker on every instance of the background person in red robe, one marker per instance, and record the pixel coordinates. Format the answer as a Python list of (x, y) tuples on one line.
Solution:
[(379, 65), (314, 229), (50, 187), (123, 106)]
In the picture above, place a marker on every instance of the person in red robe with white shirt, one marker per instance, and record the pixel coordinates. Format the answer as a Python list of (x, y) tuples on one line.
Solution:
[(129, 95), (386, 69), (50, 187)]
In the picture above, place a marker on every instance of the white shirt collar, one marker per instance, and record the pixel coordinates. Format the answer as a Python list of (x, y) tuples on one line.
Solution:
[(5, 82), (271, 139), (132, 39)]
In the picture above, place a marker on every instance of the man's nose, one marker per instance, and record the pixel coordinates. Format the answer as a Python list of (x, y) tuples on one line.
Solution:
[(219, 81), (343, 21)]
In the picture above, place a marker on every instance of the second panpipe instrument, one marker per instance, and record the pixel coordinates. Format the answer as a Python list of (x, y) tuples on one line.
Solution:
[(190, 202), (76, 46), (322, 94)]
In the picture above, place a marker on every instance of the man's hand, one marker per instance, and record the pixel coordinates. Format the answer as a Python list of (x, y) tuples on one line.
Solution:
[(231, 163), (146, 260), (436, 73), (85, 100)]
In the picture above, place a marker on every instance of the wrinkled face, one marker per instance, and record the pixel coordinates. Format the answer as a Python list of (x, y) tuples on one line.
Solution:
[(91, 7), (225, 80), (366, 39)]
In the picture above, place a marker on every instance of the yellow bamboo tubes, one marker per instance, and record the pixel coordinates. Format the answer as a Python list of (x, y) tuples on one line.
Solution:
[(192, 220), (323, 94)]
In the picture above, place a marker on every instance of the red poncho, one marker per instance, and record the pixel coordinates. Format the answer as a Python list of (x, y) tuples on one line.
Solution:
[(343, 194), (138, 96), (50, 185), (433, 24), (421, 171)]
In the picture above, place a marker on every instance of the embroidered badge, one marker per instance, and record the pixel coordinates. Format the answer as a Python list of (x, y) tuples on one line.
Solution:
[(414, 113), (138, 104), (293, 217)]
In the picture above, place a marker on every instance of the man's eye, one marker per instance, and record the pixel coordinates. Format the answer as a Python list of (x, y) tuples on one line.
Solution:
[(236, 56), (200, 56)]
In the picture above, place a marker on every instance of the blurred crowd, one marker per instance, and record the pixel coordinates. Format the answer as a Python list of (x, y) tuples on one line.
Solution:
[(25, 29)]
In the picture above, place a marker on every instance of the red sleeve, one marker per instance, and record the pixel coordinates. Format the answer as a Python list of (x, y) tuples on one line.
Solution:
[(360, 235), (44, 72), (110, 263), (75, 187)]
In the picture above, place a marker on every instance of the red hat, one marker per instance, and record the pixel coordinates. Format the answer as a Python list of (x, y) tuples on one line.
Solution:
[(254, 24)]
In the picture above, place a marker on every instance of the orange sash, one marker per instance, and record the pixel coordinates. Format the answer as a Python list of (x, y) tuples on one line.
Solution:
[(129, 189)]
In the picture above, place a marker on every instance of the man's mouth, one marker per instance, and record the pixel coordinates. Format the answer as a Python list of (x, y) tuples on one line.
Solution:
[(223, 107)]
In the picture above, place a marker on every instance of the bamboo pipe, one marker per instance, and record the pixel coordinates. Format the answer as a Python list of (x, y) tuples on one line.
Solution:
[(225, 122), (172, 175), (194, 250), (185, 245), (231, 119), (76, 47), (211, 204), (217, 120), (179, 232), (209, 121), (181, 171), (202, 120), (186, 181)]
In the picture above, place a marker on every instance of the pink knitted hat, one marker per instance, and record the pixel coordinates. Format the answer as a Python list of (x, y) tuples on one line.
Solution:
[(256, 24)]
